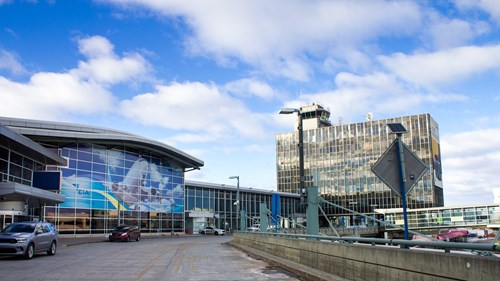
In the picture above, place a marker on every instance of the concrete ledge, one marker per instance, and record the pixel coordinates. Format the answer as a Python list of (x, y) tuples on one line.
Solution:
[(369, 262), (300, 270)]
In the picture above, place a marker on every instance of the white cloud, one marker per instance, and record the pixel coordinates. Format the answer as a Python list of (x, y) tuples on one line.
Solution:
[(10, 62), (248, 88), (446, 33), (191, 138), (474, 143), (380, 93), (53, 96), (194, 107), (492, 7), (104, 66), (79, 91), (470, 166), (445, 66), (275, 36)]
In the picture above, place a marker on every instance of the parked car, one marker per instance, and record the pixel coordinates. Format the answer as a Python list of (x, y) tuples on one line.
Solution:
[(27, 238), (254, 228), (125, 233), (211, 230)]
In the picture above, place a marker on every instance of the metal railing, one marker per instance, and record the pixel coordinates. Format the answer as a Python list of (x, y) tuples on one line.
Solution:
[(484, 249)]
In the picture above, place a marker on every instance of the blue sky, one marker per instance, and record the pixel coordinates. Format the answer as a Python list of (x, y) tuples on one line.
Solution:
[(209, 77)]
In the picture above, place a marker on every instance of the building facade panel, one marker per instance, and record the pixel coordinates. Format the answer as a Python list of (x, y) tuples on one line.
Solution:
[(216, 203), (100, 180), (108, 177), (445, 217)]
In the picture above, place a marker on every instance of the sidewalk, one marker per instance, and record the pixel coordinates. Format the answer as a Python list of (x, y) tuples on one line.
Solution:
[(66, 240)]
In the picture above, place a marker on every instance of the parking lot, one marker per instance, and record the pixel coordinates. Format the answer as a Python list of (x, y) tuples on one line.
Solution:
[(166, 258)]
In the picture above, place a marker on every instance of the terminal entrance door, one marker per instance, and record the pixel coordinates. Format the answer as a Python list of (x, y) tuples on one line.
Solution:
[(6, 219)]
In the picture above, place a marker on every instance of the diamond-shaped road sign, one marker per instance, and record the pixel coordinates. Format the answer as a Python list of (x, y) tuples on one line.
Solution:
[(387, 168)]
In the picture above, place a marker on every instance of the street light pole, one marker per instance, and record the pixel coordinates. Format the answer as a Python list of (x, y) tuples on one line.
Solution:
[(300, 130), (237, 203)]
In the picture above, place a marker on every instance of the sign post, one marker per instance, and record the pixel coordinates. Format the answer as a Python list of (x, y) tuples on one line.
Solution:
[(399, 168), (402, 177)]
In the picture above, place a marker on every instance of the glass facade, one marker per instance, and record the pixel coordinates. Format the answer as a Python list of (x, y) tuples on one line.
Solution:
[(338, 160), (106, 185), (17, 168), (219, 201), (463, 216)]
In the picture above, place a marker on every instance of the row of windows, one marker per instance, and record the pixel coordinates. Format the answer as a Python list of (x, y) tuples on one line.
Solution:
[(444, 217), (418, 124), (120, 158), (80, 220), (222, 202), (16, 168)]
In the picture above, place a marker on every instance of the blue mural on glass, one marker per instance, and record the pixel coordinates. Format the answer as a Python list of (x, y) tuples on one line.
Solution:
[(117, 179)]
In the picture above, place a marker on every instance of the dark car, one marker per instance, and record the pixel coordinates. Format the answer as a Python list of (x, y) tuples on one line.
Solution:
[(27, 238), (125, 233)]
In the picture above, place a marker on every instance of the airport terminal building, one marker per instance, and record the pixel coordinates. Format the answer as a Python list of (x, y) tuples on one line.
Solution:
[(87, 180), (213, 204), (338, 160), (101, 177)]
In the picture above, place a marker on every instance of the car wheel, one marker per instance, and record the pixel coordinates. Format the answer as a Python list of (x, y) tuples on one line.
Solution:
[(202, 232), (216, 233), (52, 249), (30, 251), (138, 238)]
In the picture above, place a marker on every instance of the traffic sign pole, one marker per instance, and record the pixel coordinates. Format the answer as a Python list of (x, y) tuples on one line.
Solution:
[(403, 183), (399, 168)]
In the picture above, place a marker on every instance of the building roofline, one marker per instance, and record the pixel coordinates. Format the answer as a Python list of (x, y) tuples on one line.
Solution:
[(233, 187), (51, 130), (18, 142)]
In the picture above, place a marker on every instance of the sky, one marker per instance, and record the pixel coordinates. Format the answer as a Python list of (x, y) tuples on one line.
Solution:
[(209, 77)]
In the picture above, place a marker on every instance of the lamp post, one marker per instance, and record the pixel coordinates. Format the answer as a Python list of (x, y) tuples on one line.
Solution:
[(301, 150), (237, 203)]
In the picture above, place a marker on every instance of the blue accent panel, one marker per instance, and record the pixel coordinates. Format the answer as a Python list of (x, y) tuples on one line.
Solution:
[(275, 207)]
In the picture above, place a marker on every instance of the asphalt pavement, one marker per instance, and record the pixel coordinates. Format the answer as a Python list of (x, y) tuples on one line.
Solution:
[(66, 240)]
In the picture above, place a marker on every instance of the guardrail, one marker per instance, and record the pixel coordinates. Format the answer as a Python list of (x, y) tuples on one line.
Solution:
[(446, 246)]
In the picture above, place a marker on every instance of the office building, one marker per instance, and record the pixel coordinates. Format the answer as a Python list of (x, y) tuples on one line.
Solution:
[(338, 160)]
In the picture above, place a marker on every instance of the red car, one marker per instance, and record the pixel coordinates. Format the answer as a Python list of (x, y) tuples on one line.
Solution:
[(125, 233)]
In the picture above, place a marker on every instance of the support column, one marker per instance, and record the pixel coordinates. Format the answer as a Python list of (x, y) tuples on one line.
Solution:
[(312, 214)]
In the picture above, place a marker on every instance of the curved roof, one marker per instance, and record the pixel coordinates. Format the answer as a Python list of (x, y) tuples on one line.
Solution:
[(32, 149), (50, 130)]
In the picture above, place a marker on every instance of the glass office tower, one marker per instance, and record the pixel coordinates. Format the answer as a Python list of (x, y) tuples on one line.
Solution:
[(338, 160)]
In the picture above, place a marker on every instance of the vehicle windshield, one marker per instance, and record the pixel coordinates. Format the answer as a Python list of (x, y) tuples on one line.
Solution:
[(25, 228), (122, 228)]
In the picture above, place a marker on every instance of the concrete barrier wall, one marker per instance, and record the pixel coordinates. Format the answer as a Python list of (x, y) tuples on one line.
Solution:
[(366, 262)]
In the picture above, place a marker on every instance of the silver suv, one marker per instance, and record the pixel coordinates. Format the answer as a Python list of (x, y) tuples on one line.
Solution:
[(27, 238)]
